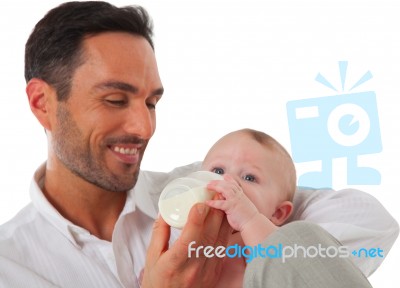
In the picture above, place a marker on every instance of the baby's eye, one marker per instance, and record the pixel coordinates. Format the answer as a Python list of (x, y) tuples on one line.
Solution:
[(218, 171), (249, 178)]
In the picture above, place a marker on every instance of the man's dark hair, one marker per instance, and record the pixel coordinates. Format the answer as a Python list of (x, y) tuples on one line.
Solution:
[(54, 48)]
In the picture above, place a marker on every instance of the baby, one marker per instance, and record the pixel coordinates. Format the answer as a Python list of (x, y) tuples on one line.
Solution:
[(256, 193)]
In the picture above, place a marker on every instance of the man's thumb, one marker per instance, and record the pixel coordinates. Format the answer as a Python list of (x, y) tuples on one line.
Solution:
[(159, 240)]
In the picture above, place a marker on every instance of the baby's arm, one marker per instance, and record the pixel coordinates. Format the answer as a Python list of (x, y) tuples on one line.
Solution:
[(242, 214)]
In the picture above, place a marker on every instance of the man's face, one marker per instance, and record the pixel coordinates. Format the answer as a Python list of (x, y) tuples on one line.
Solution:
[(102, 130)]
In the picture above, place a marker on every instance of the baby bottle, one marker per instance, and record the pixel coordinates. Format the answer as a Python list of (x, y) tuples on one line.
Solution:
[(182, 193)]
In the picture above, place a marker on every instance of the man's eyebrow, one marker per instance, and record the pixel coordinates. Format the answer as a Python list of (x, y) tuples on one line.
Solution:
[(126, 87), (158, 92), (116, 85)]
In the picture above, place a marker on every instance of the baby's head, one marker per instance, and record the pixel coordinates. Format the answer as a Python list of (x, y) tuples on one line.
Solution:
[(262, 167)]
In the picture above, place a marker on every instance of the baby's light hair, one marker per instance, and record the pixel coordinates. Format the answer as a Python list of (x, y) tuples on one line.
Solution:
[(271, 143)]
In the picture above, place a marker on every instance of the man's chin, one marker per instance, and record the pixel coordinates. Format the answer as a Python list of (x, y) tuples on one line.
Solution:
[(116, 184), (125, 185)]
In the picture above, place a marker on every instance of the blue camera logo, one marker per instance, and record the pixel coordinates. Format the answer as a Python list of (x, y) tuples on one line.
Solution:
[(344, 125)]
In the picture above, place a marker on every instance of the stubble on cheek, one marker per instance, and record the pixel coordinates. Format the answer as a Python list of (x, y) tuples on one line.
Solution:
[(74, 151)]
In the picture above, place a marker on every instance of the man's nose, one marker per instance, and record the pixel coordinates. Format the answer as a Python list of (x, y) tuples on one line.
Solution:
[(140, 121)]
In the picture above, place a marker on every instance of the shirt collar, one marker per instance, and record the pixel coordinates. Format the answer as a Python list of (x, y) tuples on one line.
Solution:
[(48, 211), (66, 227), (146, 192)]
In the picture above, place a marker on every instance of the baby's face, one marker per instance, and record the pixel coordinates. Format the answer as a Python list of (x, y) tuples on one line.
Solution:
[(255, 167)]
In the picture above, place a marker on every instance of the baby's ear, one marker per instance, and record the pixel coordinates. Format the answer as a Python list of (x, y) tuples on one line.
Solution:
[(282, 213)]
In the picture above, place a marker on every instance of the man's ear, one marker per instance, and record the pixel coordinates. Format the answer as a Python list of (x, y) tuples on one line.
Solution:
[(41, 95), (282, 213)]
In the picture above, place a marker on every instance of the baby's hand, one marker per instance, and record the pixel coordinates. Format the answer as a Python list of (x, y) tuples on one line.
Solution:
[(237, 206)]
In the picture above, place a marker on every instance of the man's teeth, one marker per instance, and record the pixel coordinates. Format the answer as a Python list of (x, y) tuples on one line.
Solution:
[(126, 151)]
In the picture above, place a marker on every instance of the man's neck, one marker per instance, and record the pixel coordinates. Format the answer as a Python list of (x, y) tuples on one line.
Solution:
[(83, 203)]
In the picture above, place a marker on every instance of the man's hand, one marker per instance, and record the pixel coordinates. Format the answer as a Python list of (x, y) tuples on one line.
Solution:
[(173, 267)]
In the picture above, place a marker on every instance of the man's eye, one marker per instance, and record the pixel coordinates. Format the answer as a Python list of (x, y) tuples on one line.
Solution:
[(116, 102), (249, 178), (151, 106), (218, 171)]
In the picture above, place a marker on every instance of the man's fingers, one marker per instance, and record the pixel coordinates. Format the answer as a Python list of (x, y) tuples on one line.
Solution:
[(159, 240), (178, 253), (211, 231), (214, 265), (195, 223), (205, 226), (224, 233)]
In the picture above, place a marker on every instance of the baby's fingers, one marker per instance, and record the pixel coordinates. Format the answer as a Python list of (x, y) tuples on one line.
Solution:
[(227, 189), (218, 204)]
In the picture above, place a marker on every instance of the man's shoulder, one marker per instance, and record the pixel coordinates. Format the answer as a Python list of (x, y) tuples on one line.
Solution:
[(11, 231), (24, 215)]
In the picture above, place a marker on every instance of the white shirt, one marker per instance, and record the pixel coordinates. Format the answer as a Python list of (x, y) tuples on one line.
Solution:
[(40, 248)]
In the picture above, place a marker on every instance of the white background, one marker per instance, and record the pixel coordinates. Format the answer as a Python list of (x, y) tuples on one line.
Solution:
[(227, 65)]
